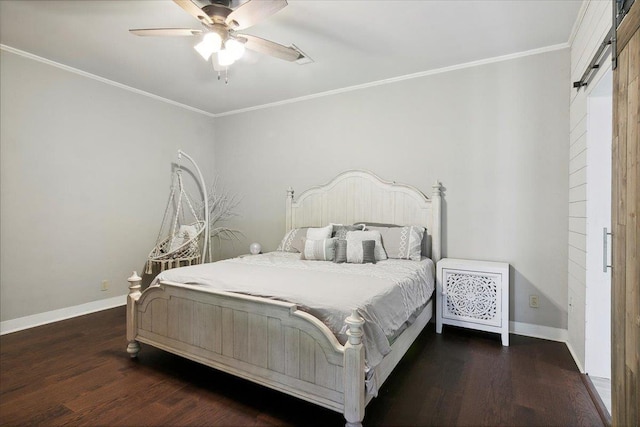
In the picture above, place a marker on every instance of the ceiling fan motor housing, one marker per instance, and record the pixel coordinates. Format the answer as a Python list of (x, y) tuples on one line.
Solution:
[(218, 12)]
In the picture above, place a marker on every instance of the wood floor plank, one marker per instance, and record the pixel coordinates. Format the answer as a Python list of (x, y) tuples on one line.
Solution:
[(458, 378)]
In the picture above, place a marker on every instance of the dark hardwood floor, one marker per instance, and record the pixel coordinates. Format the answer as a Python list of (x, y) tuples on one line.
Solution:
[(77, 372)]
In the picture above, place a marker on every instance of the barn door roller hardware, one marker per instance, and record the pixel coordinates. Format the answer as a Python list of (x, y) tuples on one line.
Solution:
[(595, 63), (619, 9)]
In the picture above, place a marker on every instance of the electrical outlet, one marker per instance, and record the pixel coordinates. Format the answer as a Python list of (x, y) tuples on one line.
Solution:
[(533, 301), (105, 285)]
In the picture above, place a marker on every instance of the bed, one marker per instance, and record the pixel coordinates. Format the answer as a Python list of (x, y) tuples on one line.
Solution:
[(285, 345)]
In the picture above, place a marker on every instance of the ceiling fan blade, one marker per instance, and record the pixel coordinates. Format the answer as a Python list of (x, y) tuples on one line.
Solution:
[(165, 32), (193, 10), (253, 11), (267, 47)]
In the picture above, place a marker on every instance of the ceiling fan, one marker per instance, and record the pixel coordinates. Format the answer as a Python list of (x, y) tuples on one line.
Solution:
[(220, 22)]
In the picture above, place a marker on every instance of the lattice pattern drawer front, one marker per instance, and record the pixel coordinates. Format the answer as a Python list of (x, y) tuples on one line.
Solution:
[(472, 296)]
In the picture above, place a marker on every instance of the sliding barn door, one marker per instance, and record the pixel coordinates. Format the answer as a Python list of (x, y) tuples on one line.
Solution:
[(626, 234)]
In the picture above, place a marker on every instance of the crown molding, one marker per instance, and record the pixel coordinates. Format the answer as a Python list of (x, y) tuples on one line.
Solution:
[(297, 99), (101, 79), (401, 78)]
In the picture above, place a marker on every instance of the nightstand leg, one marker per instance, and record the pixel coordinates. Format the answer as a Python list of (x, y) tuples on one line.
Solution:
[(505, 339), (438, 325)]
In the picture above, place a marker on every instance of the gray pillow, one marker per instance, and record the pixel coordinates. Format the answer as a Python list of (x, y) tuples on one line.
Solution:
[(368, 252), (341, 251)]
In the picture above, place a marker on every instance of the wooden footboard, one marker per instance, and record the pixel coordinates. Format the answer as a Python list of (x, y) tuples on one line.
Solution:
[(266, 341)]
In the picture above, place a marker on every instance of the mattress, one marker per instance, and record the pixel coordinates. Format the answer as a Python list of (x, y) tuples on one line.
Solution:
[(387, 294)]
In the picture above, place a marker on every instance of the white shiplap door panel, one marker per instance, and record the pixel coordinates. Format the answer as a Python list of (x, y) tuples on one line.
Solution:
[(578, 162), (578, 110), (577, 278), (578, 193), (579, 130), (578, 209), (592, 29), (595, 24), (578, 146), (578, 256), (578, 241), (578, 177)]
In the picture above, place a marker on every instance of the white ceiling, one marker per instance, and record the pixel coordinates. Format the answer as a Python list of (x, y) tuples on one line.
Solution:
[(351, 42)]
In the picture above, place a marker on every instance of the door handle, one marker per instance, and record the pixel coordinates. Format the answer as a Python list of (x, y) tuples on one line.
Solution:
[(605, 251)]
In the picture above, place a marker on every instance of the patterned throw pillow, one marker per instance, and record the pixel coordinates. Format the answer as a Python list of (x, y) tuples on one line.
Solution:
[(358, 236), (401, 242), (318, 250), (340, 231), (355, 252), (292, 241)]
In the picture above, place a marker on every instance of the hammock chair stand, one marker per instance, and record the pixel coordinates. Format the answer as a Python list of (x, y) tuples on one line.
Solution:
[(180, 247)]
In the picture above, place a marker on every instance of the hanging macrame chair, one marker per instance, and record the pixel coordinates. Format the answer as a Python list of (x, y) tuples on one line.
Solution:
[(179, 238)]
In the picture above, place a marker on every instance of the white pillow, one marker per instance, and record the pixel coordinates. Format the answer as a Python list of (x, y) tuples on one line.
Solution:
[(319, 250), (182, 236), (320, 233), (358, 236)]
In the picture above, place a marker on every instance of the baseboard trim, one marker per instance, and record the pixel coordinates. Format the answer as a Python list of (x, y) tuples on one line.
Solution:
[(575, 357), (21, 323), (538, 331), (547, 333)]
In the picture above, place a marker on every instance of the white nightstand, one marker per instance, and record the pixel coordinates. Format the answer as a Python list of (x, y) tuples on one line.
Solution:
[(473, 294)]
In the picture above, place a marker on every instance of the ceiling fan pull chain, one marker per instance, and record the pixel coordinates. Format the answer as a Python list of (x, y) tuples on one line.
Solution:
[(226, 76)]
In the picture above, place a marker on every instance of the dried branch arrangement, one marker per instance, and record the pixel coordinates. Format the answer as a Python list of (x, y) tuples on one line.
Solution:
[(222, 207)]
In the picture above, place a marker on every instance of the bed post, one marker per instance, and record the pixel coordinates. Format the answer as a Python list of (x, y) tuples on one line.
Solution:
[(436, 234), (354, 372), (289, 218), (132, 322)]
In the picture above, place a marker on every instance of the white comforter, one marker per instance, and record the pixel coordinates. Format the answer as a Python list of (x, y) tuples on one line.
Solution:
[(386, 294)]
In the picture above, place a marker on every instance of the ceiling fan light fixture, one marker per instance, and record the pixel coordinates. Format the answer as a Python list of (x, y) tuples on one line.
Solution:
[(235, 48), (220, 19), (225, 57), (211, 43)]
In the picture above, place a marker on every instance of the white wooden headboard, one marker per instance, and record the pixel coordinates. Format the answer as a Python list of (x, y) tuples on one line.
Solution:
[(361, 196)]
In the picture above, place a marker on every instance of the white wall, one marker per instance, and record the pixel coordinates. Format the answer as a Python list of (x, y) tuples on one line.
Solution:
[(89, 208), (85, 175), (495, 135), (593, 24)]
